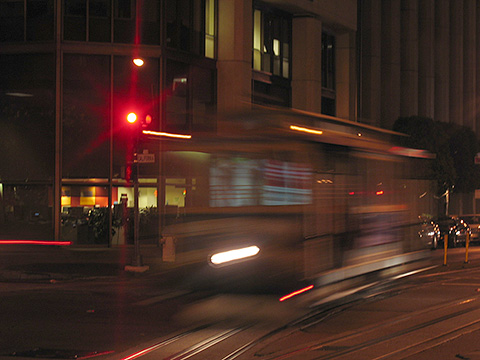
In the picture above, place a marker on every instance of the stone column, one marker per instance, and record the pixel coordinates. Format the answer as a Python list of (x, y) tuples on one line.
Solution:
[(442, 63), (370, 62), (477, 72), (456, 62), (234, 65), (469, 64), (307, 64), (346, 90), (409, 58), (390, 104), (426, 74)]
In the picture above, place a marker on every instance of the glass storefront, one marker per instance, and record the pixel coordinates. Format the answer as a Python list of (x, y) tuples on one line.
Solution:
[(27, 110), (63, 115), (85, 214)]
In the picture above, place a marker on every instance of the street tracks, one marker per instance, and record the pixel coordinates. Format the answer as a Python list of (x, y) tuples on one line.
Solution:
[(390, 322)]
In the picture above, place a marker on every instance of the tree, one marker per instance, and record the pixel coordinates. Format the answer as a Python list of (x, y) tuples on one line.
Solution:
[(454, 146)]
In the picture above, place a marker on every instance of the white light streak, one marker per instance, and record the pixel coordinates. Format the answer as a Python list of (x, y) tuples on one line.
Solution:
[(165, 134), (232, 255)]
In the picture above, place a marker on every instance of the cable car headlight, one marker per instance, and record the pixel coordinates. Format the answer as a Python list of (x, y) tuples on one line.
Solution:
[(222, 258)]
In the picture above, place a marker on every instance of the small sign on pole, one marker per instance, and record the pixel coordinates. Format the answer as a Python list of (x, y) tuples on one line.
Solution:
[(146, 157)]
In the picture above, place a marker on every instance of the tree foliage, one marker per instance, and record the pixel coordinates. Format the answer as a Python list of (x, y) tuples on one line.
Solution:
[(455, 148)]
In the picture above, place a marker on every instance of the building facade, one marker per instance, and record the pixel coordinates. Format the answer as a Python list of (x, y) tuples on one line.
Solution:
[(68, 81), (420, 57)]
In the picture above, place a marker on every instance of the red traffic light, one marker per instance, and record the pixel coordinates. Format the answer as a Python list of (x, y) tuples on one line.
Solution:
[(132, 118), (148, 119)]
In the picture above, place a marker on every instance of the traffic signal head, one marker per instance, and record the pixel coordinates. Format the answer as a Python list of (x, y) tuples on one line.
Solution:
[(148, 120), (132, 118)]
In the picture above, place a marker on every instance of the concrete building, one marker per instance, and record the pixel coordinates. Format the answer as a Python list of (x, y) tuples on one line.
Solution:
[(68, 82), (420, 57)]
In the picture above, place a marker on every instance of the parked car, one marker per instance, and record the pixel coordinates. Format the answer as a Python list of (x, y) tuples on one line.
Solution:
[(456, 229), (473, 222), (429, 233)]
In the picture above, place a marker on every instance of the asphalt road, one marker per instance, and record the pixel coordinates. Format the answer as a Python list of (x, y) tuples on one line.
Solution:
[(49, 310)]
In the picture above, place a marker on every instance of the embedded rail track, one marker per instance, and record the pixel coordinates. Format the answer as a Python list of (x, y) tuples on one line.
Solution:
[(392, 320)]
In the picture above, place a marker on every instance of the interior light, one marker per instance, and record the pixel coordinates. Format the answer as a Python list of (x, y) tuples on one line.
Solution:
[(18, 94)]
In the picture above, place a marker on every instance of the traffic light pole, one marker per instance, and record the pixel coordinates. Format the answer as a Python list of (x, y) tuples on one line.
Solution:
[(137, 258), (137, 262)]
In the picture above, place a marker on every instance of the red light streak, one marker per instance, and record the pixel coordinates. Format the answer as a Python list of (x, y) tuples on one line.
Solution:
[(143, 352), (89, 356), (379, 192), (34, 242), (296, 293), (351, 193)]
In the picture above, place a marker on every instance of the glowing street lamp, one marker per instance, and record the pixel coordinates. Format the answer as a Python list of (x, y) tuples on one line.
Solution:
[(138, 62)]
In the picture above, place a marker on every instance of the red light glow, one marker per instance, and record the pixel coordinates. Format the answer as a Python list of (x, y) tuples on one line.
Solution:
[(34, 242), (131, 117), (379, 192), (296, 293)]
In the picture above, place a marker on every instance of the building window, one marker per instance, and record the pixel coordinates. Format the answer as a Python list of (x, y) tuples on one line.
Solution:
[(189, 98), (271, 57), (75, 20), (91, 20), (99, 21), (12, 19), (31, 20), (210, 29), (272, 43), (328, 74), (186, 25), (40, 20), (86, 120)]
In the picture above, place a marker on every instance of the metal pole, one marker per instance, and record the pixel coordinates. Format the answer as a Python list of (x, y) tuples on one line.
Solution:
[(467, 242), (137, 258), (445, 245)]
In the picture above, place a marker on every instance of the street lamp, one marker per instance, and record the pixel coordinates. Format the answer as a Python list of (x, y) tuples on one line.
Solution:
[(138, 62)]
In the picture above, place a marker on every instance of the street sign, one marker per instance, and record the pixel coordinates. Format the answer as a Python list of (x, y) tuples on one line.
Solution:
[(145, 158)]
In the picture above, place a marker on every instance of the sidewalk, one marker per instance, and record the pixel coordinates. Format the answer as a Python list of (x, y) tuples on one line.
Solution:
[(26, 263)]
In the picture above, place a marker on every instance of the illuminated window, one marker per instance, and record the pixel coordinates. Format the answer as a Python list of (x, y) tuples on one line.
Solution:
[(271, 42), (271, 56), (257, 40), (210, 29)]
